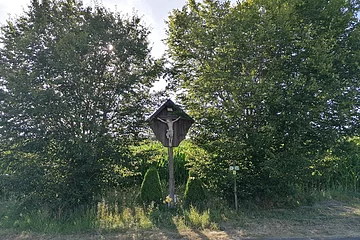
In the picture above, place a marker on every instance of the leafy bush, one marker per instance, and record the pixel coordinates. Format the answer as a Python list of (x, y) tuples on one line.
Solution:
[(151, 187), (153, 154), (180, 170), (194, 191), (339, 168)]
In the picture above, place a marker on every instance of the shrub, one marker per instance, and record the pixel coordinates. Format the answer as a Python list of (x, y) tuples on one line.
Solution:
[(151, 187), (194, 191), (198, 220)]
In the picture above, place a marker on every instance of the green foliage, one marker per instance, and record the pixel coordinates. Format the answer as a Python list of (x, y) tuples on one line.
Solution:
[(14, 217), (339, 168), (151, 187), (74, 84), (194, 191), (112, 218), (199, 220), (180, 167), (187, 156), (272, 85)]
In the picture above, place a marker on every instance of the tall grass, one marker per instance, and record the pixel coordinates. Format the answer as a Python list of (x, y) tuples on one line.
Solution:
[(112, 218), (196, 219), (111, 214), (43, 221)]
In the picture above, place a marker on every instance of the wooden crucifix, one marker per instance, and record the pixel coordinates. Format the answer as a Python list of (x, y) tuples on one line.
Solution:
[(170, 128), (170, 125)]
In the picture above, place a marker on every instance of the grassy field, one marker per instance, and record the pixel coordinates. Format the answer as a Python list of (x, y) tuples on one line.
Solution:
[(328, 217)]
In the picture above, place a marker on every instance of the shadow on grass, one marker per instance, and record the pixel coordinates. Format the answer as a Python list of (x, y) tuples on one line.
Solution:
[(163, 219), (174, 224), (200, 235)]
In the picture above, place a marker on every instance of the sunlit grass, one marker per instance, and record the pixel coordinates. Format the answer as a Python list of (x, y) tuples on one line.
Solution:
[(109, 217), (113, 218), (117, 214), (197, 219)]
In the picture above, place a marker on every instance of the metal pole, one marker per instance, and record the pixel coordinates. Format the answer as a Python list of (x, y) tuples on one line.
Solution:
[(171, 177), (235, 192)]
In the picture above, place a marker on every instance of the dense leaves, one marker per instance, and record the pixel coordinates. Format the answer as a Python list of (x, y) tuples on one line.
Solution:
[(271, 85), (153, 154), (74, 91), (339, 168), (151, 187), (194, 191)]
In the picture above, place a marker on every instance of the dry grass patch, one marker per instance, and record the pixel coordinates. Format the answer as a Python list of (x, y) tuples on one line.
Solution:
[(325, 219)]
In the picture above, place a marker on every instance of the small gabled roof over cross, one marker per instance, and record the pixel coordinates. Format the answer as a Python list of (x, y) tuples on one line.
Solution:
[(176, 111), (180, 123)]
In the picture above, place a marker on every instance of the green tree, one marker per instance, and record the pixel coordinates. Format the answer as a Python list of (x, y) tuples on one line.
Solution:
[(151, 187), (74, 84), (270, 84), (339, 168), (194, 191)]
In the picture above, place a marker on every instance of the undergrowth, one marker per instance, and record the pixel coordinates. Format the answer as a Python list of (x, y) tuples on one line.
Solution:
[(120, 212), (107, 216)]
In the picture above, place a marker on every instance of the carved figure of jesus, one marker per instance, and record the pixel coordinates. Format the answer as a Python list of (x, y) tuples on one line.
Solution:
[(170, 130)]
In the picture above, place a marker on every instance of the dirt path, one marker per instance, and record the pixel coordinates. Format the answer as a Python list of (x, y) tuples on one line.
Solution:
[(325, 220)]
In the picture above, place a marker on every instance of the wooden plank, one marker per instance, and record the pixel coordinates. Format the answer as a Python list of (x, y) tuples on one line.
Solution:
[(180, 127)]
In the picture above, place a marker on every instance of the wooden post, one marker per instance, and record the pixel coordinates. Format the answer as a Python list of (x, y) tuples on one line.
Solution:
[(170, 125), (171, 177)]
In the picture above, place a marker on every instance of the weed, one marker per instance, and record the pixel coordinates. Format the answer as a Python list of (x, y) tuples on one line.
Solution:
[(112, 218), (197, 219), (118, 216)]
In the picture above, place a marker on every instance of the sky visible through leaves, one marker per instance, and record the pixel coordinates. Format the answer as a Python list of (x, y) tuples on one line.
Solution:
[(154, 14)]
